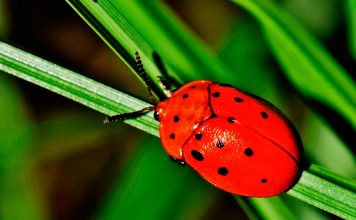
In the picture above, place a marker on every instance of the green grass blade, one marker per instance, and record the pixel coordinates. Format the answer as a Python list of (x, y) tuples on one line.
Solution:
[(184, 52), (73, 86), (350, 9), (118, 34), (326, 194), (318, 187), (332, 177), (129, 22), (309, 67)]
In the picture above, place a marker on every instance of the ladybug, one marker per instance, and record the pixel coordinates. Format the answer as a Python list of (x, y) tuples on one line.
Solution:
[(238, 142)]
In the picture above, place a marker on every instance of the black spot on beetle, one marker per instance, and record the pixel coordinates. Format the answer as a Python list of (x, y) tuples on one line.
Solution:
[(197, 155), (263, 180), (248, 152), (193, 87), (216, 94), (156, 115), (231, 120), (264, 115), (237, 99), (223, 171), (198, 136), (185, 96), (172, 136), (220, 144), (175, 118)]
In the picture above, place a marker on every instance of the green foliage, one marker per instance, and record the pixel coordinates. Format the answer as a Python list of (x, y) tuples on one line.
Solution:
[(350, 8), (152, 28), (18, 196), (325, 190), (344, 200), (73, 86), (309, 67), (140, 179)]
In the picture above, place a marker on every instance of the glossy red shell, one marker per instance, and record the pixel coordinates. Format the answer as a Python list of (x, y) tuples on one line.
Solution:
[(236, 141)]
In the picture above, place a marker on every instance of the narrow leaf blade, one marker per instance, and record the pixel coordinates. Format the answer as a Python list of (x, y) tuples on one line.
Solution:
[(73, 86)]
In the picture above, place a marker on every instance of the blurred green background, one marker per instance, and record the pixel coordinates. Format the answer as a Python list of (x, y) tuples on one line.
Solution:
[(59, 161)]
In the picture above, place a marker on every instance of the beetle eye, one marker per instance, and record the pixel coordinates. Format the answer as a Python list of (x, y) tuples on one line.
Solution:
[(156, 115)]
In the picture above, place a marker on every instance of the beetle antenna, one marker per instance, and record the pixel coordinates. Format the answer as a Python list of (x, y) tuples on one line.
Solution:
[(144, 76), (129, 115)]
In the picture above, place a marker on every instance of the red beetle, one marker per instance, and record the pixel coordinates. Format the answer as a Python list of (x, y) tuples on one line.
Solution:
[(237, 141)]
